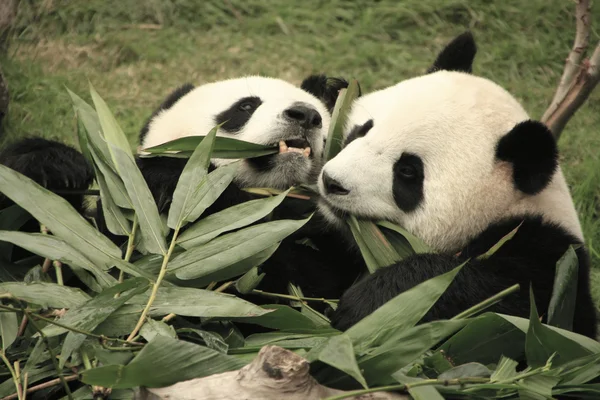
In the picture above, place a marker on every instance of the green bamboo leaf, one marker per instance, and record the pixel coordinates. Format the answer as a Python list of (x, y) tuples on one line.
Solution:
[(153, 329), (211, 188), (506, 369), (500, 243), (151, 226), (419, 392), (281, 317), (90, 314), (115, 219), (379, 246), (47, 295), (468, 370), (9, 327), (407, 345), (224, 147), (417, 245), (186, 193), (56, 249), (193, 302), (483, 339), (564, 293), (12, 218), (580, 370), (89, 119), (211, 340), (343, 106), (400, 313), (370, 259), (251, 279), (590, 345), (229, 249), (229, 219), (539, 384), (59, 216), (542, 342), (178, 361), (319, 319), (339, 353), (114, 184)]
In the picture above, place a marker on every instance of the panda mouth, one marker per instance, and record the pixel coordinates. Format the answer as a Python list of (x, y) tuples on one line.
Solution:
[(300, 146)]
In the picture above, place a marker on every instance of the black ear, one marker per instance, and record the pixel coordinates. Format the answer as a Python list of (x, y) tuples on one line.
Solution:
[(458, 55), (324, 88), (531, 149), (165, 105)]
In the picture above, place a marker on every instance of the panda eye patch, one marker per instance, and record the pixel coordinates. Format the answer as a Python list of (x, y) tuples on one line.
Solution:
[(407, 186), (238, 114)]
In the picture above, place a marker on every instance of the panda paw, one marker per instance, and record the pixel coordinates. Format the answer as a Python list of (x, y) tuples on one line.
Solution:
[(359, 301)]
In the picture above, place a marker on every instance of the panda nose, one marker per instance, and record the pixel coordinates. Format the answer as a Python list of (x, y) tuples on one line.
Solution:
[(332, 186), (307, 117)]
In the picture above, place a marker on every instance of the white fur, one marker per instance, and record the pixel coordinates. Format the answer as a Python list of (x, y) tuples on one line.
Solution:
[(194, 115), (453, 121)]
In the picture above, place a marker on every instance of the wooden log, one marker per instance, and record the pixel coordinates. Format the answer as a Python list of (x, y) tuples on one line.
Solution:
[(275, 374)]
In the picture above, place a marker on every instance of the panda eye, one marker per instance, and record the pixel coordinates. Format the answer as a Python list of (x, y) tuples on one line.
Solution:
[(407, 171), (246, 106)]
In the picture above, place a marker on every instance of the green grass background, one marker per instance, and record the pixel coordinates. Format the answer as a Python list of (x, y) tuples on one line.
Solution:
[(135, 52)]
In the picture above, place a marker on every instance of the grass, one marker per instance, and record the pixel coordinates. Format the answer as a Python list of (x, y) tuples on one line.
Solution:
[(136, 52)]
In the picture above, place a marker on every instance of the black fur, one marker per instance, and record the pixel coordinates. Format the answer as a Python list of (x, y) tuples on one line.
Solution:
[(531, 149), (358, 131), (238, 115), (528, 258), (324, 88), (166, 104), (407, 187), (51, 164), (458, 55)]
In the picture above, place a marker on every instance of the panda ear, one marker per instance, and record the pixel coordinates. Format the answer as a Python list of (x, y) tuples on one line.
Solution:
[(458, 55), (325, 89), (165, 105), (531, 149)]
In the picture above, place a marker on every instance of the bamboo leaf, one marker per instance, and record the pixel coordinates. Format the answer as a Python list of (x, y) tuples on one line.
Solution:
[(251, 279), (564, 293), (379, 246), (186, 193), (89, 118), (56, 249), (341, 110), (339, 353), (90, 314), (419, 392), (193, 302), (416, 245), (178, 361), (370, 259), (213, 185), (224, 147), (542, 342), (153, 329), (9, 327), (229, 219), (468, 370), (281, 317), (47, 295), (59, 216), (500, 243), (229, 249), (151, 227), (400, 313)]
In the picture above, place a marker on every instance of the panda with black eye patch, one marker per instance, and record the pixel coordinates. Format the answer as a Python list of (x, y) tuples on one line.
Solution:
[(256, 109), (455, 159)]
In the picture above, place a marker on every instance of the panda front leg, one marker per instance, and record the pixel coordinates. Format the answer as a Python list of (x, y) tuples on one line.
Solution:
[(477, 281)]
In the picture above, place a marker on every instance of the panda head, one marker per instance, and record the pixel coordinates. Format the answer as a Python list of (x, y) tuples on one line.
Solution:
[(255, 109), (445, 155)]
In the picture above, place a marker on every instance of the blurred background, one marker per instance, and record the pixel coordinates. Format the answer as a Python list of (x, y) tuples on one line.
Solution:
[(135, 52)]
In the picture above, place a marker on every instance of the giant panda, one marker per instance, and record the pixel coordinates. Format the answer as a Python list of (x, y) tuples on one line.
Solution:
[(456, 160), (256, 109)]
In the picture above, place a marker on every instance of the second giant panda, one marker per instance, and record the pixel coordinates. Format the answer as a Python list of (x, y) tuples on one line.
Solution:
[(455, 159)]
